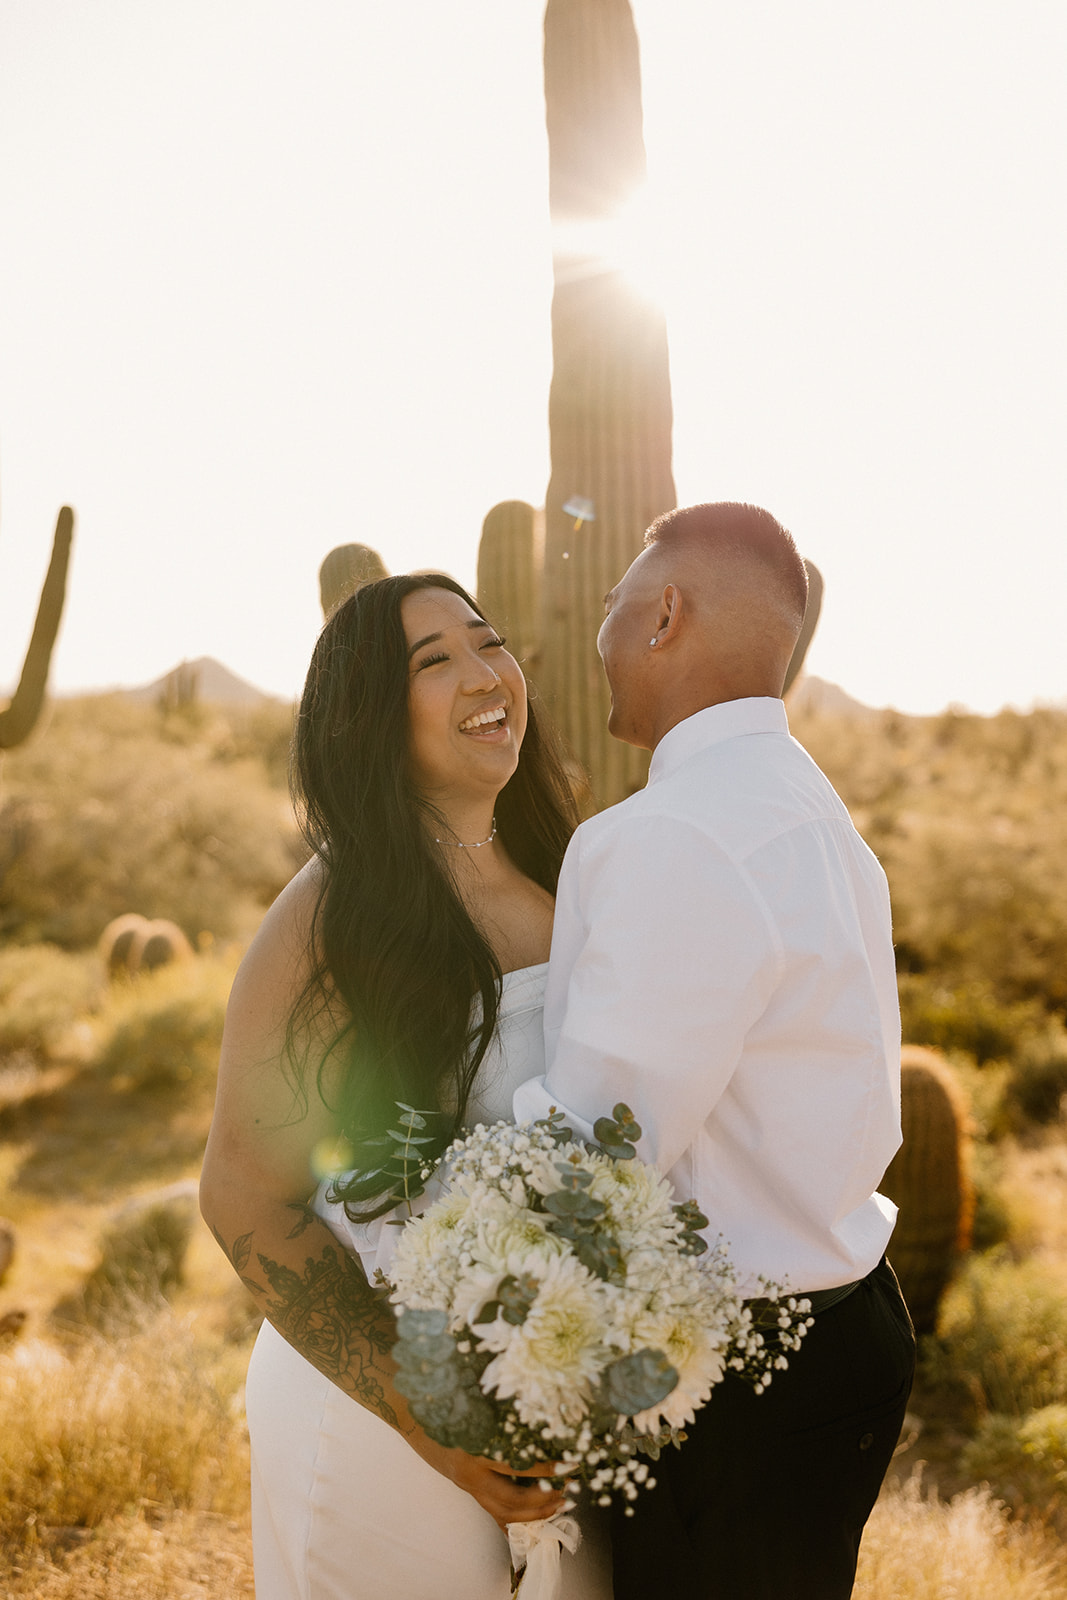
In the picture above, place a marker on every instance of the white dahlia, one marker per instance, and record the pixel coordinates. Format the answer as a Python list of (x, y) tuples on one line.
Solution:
[(549, 1365)]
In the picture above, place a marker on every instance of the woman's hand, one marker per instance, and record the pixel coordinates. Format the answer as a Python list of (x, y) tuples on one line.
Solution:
[(507, 1494)]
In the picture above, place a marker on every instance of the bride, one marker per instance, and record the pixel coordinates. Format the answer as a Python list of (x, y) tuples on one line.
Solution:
[(405, 962)]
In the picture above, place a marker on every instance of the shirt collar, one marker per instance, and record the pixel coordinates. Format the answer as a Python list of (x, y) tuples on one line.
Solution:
[(730, 720)]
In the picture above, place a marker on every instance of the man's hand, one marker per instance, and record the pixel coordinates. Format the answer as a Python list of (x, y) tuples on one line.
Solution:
[(508, 1494)]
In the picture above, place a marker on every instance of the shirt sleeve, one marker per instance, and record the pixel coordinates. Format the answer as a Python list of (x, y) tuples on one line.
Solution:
[(663, 956)]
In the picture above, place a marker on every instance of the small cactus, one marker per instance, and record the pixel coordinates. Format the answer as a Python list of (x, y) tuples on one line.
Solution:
[(347, 568), (930, 1180)]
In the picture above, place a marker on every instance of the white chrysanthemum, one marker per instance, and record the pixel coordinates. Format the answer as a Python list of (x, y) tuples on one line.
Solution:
[(696, 1352), (550, 1364)]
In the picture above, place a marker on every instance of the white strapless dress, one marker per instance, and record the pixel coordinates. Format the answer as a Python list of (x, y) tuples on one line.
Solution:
[(342, 1507)]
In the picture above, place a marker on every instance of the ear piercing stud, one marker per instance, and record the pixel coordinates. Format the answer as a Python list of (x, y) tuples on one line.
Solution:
[(652, 644)]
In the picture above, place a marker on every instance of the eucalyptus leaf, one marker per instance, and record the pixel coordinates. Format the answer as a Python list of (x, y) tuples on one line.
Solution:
[(517, 1295), (410, 1324), (416, 1383), (555, 1127), (638, 1381), (433, 1347), (573, 1177), (567, 1203)]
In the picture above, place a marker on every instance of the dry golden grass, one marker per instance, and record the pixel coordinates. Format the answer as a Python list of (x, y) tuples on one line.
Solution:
[(918, 1547), (92, 1431), (183, 1556)]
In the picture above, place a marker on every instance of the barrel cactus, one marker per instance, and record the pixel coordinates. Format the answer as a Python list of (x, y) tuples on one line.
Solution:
[(930, 1179), (347, 568), (132, 944), (117, 941), (158, 944)]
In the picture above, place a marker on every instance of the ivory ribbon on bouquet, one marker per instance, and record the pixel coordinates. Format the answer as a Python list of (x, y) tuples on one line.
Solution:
[(535, 1548)]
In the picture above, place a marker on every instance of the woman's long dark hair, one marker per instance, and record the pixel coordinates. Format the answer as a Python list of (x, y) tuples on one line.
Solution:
[(392, 940)]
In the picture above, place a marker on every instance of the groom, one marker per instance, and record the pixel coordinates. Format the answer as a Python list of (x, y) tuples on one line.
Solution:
[(722, 961)]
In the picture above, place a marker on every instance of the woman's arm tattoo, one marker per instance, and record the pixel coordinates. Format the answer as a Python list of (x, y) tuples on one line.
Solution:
[(328, 1312)]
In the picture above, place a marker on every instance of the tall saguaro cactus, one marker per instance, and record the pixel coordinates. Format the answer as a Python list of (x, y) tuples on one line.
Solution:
[(18, 718), (609, 402)]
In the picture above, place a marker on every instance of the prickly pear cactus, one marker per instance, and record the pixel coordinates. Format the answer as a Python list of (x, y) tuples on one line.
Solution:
[(347, 568), (931, 1181)]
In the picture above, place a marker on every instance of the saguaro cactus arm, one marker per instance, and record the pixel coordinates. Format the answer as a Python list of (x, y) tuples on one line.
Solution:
[(347, 568), (811, 617), (16, 722)]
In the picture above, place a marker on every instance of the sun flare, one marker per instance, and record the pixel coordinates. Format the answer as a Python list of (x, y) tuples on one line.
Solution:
[(639, 241)]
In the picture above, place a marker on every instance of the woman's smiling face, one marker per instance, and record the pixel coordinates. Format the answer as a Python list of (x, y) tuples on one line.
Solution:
[(466, 699)]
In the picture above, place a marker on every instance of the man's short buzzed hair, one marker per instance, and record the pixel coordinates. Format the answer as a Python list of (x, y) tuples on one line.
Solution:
[(734, 529)]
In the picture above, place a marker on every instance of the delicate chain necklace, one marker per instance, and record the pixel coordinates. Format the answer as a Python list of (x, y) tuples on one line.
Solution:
[(457, 844)]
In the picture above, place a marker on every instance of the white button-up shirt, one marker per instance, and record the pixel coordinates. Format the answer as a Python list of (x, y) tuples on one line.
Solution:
[(722, 962)]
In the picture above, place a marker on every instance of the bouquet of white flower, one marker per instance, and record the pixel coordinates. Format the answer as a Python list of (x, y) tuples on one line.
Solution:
[(557, 1305)]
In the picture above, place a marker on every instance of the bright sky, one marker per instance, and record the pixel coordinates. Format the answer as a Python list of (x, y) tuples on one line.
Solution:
[(276, 275)]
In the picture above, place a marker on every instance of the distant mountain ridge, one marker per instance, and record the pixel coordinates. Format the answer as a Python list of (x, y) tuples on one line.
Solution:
[(208, 680), (818, 695), (202, 679)]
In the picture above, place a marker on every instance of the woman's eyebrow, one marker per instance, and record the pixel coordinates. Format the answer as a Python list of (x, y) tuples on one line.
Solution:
[(432, 638)]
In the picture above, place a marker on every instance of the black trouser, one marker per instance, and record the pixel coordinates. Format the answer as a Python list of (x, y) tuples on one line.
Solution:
[(768, 1497)]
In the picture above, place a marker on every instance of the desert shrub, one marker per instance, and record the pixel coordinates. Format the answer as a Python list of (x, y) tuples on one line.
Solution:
[(1023, 1459), (1038, 1080), (917, 1547), (43, 991), (1002, 1335), (142, 1256), (996, 1217), (88, 1432), (967, 1017), (968, 815), (102, 815), (164, 1029)]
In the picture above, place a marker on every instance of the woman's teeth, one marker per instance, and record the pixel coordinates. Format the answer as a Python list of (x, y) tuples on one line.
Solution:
[(482, 720)]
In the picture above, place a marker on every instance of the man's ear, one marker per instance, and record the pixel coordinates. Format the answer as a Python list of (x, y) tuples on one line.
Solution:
[(669, 615)]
